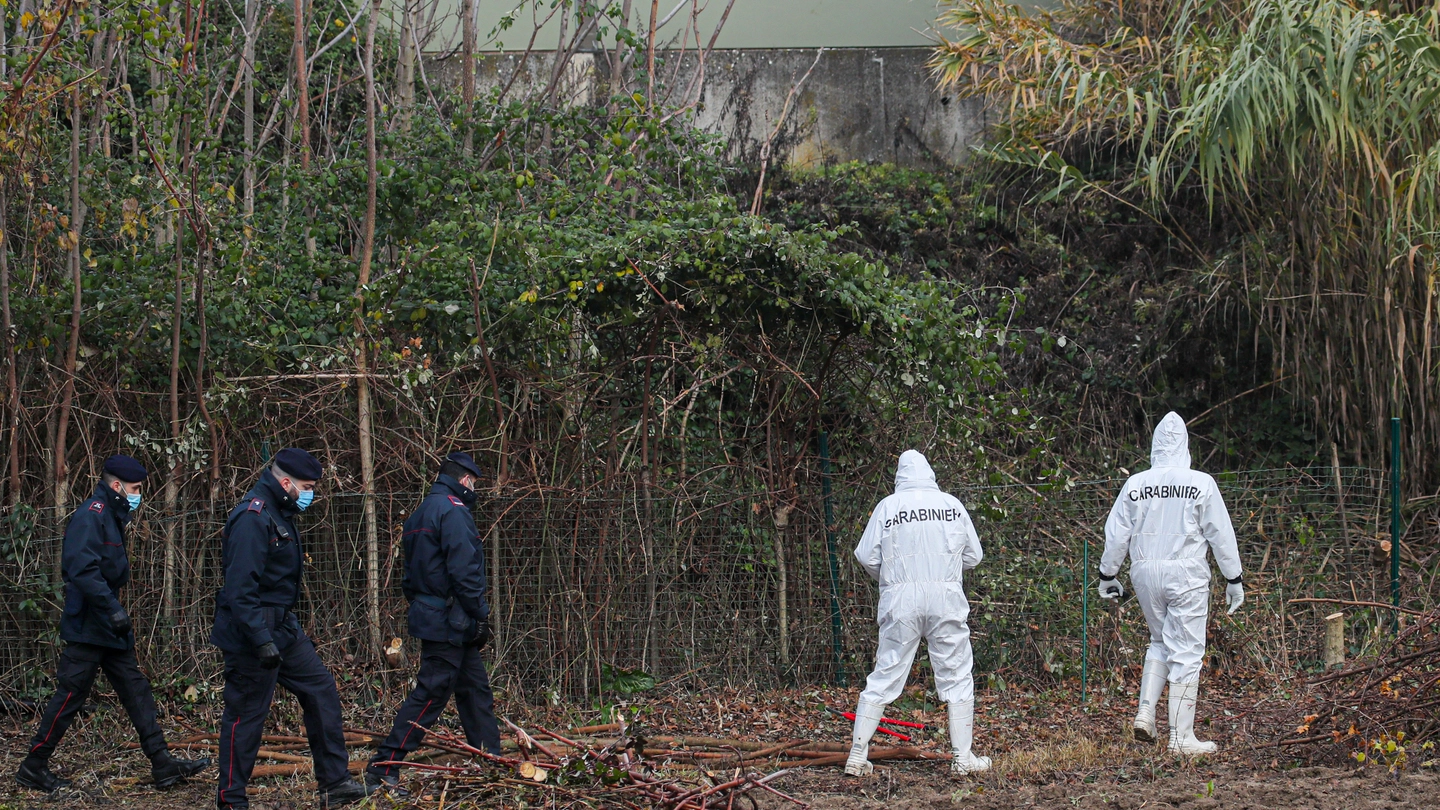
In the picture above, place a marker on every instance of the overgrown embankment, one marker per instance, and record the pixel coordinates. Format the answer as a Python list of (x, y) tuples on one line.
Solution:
[(198, 273), (1289, 147)]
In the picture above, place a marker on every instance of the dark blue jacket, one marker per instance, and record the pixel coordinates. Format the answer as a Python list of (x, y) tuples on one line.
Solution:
[(260, 550), (444, 566), (95, 568)]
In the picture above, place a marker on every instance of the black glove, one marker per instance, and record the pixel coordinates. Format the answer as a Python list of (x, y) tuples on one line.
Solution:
[(1110, 588), (268, 655), (119, 622), (482, 635)]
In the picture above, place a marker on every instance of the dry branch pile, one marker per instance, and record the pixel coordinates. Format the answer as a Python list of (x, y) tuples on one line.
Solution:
[(610, 764), (1375, 699), (632, 769)]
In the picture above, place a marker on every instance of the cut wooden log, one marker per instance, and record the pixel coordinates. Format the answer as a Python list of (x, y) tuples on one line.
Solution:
[(199, 738), (267, 771), (876, 754), (1335, 640), (773, 750), (263, 753), (600, 729)]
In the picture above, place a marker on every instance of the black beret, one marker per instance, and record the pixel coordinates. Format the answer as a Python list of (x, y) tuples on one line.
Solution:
[(299, 463), (464, 460), (126, 469)]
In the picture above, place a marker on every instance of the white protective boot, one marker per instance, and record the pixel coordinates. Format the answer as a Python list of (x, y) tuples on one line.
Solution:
[(1182, 721), (1152, 686), (867, 718), (962, 734)]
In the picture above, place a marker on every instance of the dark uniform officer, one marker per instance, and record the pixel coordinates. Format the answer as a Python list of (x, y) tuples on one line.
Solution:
[(445, 584), (262, 641), (97, 632)]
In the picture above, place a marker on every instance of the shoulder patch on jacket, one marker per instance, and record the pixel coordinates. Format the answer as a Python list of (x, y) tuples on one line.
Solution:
[(456, 501), (256, 505), (96, 506)]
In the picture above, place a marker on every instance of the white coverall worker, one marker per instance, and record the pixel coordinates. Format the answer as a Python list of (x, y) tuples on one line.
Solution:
[(1164, 519), (918, 545)]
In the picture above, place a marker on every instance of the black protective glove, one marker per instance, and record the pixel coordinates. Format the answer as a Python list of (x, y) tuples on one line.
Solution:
[(1110, 588), (119, 622), (268, 655), (482, 635)]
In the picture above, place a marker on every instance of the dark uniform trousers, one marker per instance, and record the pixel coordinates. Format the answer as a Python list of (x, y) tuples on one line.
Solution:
[(445, 670), (249, 691), (76, 675)]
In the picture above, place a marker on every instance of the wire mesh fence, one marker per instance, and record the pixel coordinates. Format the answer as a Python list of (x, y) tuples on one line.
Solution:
[(712, 585), (1314, 533)]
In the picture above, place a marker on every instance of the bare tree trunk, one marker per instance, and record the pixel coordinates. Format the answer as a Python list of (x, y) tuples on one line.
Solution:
[(67, 396), (782, 587), (561, 56), (564, 53), (302, 88), (467, 69), (650, 58), (502, 468), (697, 81), (252, 12), (20, 30), (652, 639), (367, 483), (159, 102), (172, 477), (775, 133), (47, 482), (102, 55), (617, 59), (405, 67), (367, 253), (12, 386), (201, 255), (302, 113)]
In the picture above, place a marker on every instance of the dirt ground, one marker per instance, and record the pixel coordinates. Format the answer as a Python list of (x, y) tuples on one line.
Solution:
[(911, 787), (1048, 753), (908, 786)]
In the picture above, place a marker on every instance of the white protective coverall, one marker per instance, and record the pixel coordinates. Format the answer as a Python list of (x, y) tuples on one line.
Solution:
[(1164, 519), (918, 545)]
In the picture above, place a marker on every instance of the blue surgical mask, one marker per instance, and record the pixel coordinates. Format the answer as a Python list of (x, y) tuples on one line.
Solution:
[(304, 499), (134, 501)]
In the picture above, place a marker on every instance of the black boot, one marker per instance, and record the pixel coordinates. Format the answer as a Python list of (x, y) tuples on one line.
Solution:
[(35, 774), (390, 784), (168, 770), (347, 792)]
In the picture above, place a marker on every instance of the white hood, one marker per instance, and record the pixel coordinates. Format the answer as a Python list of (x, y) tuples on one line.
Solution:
[(1169, 448), (913, 472)]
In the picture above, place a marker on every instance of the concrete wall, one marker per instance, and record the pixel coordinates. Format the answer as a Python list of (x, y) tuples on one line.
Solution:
[(751, 24), (871, 104)]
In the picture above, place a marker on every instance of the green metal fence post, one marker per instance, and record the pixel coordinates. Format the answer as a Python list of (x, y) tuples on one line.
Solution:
[(1085, 621), (1395, 520), (841, 676)]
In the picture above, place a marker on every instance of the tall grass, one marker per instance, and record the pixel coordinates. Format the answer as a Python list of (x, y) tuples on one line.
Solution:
[(1309, 130)]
